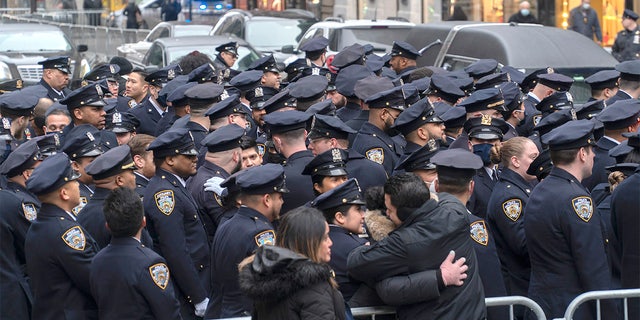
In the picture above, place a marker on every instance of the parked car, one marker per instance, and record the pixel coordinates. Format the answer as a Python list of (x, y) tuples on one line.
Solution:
[(162, 30), (267, 31), (23, 45), (527, 47), (165, 51)]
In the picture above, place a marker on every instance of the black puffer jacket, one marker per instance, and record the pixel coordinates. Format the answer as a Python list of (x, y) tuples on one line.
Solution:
[(285, 285)]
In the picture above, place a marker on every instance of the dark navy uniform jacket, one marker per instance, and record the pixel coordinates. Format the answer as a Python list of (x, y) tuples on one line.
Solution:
[(141, 184), (26, 198), (85, 194), (357, 122), (235, 240), (166, 122), (462, 142), (612, 244), (627, 45), (506, 221), (410, 148), (59, 252), (344, 241), (125, 104), (600, 162), (148, 116), (350, 111), (481, 193), (620, 95), (52, 94), (377, 146), (531, 114), (209, 203), (566, 248), (510, 133), (178, 235), (300, 185), (130, 281), (16, 295), (368, 173)]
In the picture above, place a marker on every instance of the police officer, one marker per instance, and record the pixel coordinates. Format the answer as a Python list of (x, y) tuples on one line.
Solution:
[(559, 100), (485, 103), (18, 168), (129, 280), (403, 59), (178, 106), (113, 169), (261, 188), (604, 84), (629, 81), (82, 145), (562, 227), (419, 124), (201, 98), (55, 78), (345, 84), (549, 123), (443, 89), (7, 86), (225, 59), (17, 108), (123, 125), (223, 157), (309, 90), (145, 168), (454, 119), (627, 44), (109, 72), (287, 130), (514, 114), (327, 170), (315, 50), (173, 222), (330, 132), (271, 73), (226, 112), (149, 110), (419, 163), (481, 68), (85, 106), (58, 250)]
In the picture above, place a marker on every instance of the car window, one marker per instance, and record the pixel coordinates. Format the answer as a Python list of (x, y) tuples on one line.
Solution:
[(154, 56), (155, 33), (334, 39), (221, 26), (380, 37), (38, 41), (235, 26), (310, 34), (165, 33), (274, 33)]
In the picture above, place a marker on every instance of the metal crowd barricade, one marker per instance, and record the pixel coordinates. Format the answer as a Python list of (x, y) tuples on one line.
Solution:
[(624, 294), (511, 301)]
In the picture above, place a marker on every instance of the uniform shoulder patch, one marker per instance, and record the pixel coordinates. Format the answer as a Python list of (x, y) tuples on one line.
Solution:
[(76, 209), (74, 238), (583, 206), (512, 208), (160, 275), (536, 119), (375, 154), (479, 232), (29, 210), (265, 237), (217, 198), (165, 201), (132, 103), (261, 148)]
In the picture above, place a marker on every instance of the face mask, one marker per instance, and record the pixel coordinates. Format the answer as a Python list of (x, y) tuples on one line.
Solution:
[(586, 6), (524, 12), (483, 150), (432, 186)]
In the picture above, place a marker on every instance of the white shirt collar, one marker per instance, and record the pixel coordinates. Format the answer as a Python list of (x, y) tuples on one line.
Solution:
[(184, 183)]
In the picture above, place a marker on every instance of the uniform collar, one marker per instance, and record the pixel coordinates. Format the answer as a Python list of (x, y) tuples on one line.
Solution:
[(513, 177), (252, 214), (51, 210), (215, 168)]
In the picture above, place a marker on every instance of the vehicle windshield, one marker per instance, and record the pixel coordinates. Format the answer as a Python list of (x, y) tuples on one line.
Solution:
[(275, 33), (381, 38), (245, 55), (33, 41), (182, 31)]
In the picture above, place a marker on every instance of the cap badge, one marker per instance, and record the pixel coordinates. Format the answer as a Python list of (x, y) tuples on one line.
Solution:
[(433, 146), (171, 74), (486, 120), (19, 84), (90, 136), (258, 92), (56, 140), (550, 70), (224, 95), (6, 123), (337, 156), (112, 69), (117, 117), (99, 90), (315, 71), (574, 116)]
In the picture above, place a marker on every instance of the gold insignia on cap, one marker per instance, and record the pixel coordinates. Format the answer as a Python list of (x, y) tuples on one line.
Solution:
[(432, 145), (512, 208), (160, 275), (99, 90), (19, 84), (479, 232), (583, 206), (165, 201), (486, 120), (74, 238), (337, 156), (90, 136)]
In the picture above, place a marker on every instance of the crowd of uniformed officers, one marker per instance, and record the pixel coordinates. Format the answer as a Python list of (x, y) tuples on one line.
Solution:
[(138, 195)]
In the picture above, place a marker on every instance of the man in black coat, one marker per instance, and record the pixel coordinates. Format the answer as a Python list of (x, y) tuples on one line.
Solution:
[(524, 14)]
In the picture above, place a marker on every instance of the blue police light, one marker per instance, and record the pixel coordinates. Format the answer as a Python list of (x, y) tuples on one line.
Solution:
[(218, 6), (203, 6)]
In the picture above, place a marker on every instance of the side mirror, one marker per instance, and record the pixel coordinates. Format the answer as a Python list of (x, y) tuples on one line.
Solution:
[(82, 48), (287, 49)]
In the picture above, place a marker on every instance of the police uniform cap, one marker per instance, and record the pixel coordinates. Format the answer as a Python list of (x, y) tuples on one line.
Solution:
[(393, 98), (229, 184), (455, 117), (173, 142), (417, 115), (325, 107), (204, 93), (225, 107), (49, 144), (177, 96), (347, 193), (421, 158), (11, 85), (371, 85), (422, 84), (571, 135), (224, 138), (82, 141), (105, 71), (203, 73), (628, 169), (55, 106), (51, 174), (246, 80), (5, 129), (629, 14), (315, 44), (486, 128), (516, 75), (558, 100), (348, 77), (122, 122), (350, 55), (555, 81), (61, 63), (553, 121), (444, 87), (410, 93), (331, 163), (111, 163), (403, 49), (541, 165), (332, 81), (368, 49), (231, 47), (531, 78), (279, 101), (633, 139), (259, 95), (262, 179), (89, 95), (590, 110), (512, 96), (492, 80), (172, 84), (465, 84), (20, 159), (125, 65), (620, 114), (284, 121), (625, 147), (266, 63), (629, 70), (309, 88), (160, 77), (18, 102), (603, 79), (457, 159), (481, 68), (375, 63), (329, 127), (485, 99)]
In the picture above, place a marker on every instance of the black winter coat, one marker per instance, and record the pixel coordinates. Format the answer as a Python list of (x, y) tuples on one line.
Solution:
[(285, 285)]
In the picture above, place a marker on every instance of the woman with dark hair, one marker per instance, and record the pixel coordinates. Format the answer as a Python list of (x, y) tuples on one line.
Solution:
[(293, 280)]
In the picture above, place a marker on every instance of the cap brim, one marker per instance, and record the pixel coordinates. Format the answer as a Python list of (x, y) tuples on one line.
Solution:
[(189, 152)]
